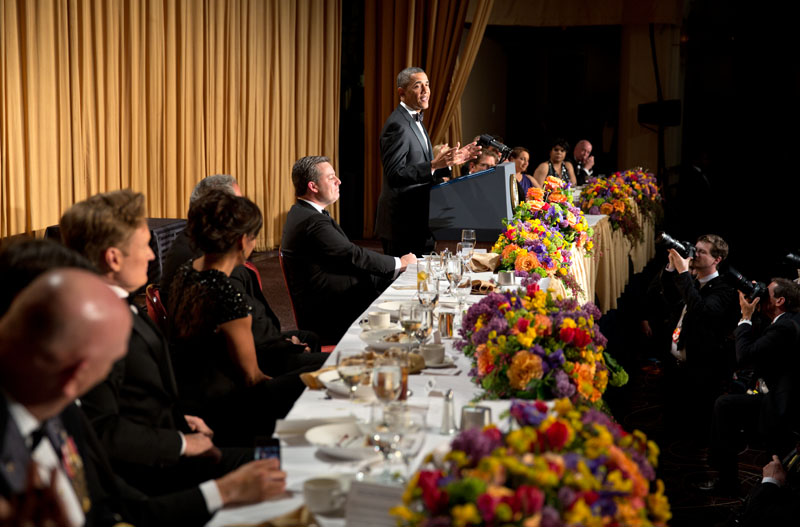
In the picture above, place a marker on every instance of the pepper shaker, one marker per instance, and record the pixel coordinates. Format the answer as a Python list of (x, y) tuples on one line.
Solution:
[(448, 415)]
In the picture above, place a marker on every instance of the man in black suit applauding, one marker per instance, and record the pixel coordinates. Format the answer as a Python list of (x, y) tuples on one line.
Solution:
[(774, 354), (409, 168), (331, 279)]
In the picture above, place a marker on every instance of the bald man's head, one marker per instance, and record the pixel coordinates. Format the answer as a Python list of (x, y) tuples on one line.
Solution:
[(59, 338)]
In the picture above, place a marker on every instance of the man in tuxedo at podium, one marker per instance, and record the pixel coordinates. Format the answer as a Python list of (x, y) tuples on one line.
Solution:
[(410, 168), (583, 161), (331, 279)]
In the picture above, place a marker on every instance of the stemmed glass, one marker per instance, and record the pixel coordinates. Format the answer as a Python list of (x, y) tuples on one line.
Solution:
[(464, 251), (455, 268), (409, 319), (387, 379), (352, 368), (468, 238), (462, 290), (428, 289), (412, 421), (425, 316)]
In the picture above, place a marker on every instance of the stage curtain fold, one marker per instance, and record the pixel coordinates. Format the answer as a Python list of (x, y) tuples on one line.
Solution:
[(156, 94)]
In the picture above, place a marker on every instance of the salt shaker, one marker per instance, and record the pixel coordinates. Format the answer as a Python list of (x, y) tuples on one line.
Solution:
[(448, 415)]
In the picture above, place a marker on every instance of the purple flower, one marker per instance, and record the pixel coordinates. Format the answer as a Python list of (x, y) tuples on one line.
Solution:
[(477, 444), (594, 210), (566, 496), (563, 387), (550, 517), (527, 413)]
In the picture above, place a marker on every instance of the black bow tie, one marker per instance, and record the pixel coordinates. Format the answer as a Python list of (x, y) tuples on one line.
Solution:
[(36, 437), (418, 117)]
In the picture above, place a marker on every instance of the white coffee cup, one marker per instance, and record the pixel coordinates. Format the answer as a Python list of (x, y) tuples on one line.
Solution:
[(378, 319), (323, 495), (432, 353)]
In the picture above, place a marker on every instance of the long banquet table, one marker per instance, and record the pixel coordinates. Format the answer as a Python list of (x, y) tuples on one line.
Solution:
[(301, 461), (605, 273)]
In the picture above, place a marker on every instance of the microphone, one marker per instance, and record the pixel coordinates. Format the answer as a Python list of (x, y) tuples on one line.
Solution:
[(487, 140)]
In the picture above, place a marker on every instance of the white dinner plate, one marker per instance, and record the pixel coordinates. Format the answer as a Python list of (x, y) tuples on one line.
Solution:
[(364, 324), (446, 363), (342, 441), (377, 338), (389, 306), (330, 379)]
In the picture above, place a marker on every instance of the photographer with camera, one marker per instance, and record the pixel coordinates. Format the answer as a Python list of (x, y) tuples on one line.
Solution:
[(774, 354), (704, 315)]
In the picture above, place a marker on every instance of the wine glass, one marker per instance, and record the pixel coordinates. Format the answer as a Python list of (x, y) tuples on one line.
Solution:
[(352, 368), (468, 237), (412, 421), (463, 290), (455, 268), (387, 379), (464, 251), (428, 289), (424, 314), (409, 320), (385, 435)]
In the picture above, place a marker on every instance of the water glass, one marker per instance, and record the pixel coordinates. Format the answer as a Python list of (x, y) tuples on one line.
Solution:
[(468, 236), (352, 368), (387, 379)]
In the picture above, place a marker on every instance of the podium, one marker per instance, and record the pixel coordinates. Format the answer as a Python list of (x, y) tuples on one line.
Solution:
[(477, 201)]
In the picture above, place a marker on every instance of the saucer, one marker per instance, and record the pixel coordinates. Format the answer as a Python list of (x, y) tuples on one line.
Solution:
[(446, 363)]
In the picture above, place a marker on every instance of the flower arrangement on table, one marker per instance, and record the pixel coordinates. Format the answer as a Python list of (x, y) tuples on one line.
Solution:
[(642, 187), (528, 344), (569, 466), (539, 238), (609, 196)]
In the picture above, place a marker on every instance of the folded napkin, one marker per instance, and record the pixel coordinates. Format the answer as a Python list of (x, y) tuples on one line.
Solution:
[(482, 287), (311, 379), (289, 427), (481, 262)]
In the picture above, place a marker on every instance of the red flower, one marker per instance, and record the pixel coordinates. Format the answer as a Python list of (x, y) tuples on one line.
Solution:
[(532, 289), (557, 435), (486, 505), (510, 234), (567, 334), (522, 325), (540, 405), (530, 499), (581, 338), (589, 497), (546, 206), (493, 433), (435, 499)]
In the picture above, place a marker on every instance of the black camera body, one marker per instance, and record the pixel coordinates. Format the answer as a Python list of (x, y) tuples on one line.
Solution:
[(751, 290), (685, 249)]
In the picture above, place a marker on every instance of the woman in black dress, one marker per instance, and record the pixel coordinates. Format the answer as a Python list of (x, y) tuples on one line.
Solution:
[(212, 345), (557, 166)]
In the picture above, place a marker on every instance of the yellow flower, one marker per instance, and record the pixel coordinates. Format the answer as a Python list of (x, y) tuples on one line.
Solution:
[(525, 367), (659, 505), (465, 515), (562, 406)]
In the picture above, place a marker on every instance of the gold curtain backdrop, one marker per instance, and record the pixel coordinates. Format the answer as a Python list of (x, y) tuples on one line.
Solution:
[(155, 95)]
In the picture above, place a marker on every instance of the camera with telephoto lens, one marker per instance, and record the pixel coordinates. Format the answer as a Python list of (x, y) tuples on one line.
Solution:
[(685, 249), (751, 290)]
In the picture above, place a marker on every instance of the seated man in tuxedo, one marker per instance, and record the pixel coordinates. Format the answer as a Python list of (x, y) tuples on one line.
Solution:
[(774, 354), (60, 337), (485, 161), (583, 161), (279, 352), (331, 279), (135, 411)]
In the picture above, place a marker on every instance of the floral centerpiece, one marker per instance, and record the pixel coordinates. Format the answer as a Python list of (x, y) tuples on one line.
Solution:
[(606, 196), (570, 466), (642, 187), (529, 344), (540, 236)]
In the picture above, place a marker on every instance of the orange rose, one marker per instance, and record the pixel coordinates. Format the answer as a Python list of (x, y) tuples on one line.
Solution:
[(557, 197), (526, 262), (552, 183), (619, 205), (508, 250), (536, 204), (606, 208), (535, 193)]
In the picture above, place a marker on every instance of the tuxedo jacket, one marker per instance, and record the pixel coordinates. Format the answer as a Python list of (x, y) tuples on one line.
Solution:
[(581, 175), (711, 314), (775, 356), (331, 279), (112, 500), (406, 154), (135, 410)]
